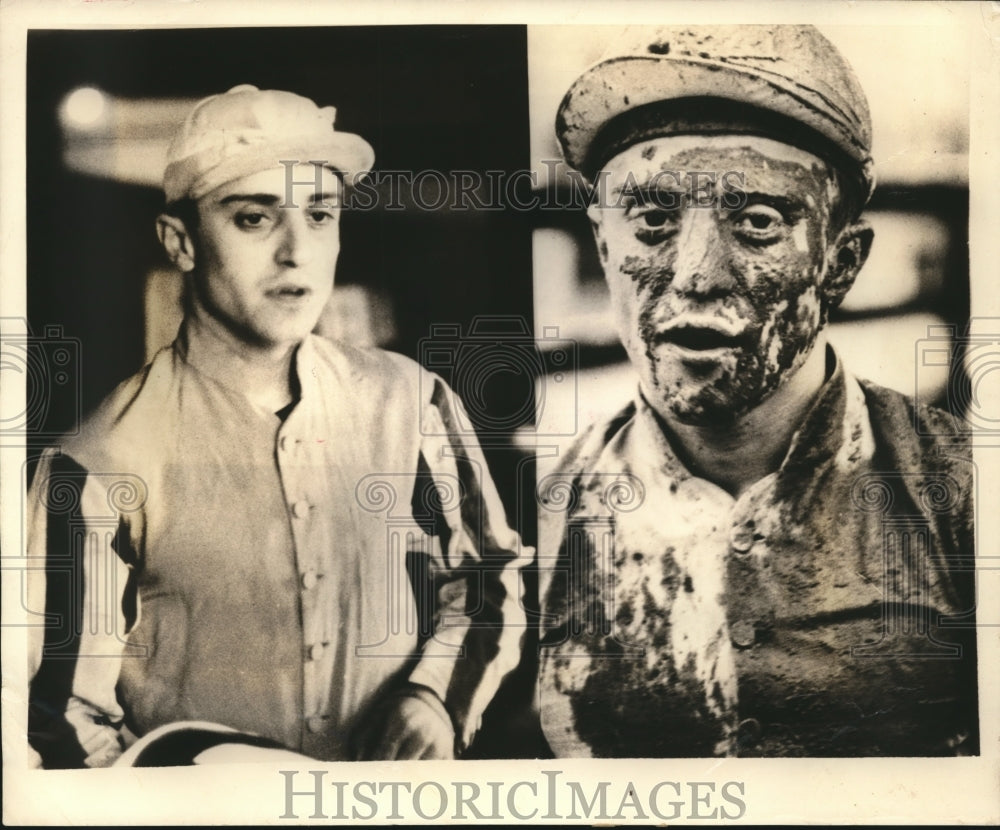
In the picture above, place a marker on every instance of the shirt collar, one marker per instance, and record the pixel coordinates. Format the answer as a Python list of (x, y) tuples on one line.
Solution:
[(220, 361)]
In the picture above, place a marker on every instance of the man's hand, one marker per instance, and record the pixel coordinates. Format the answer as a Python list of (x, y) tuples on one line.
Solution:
[(409, 726)]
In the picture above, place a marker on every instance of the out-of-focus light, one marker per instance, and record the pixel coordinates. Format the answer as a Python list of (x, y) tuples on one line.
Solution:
[(85, 108)]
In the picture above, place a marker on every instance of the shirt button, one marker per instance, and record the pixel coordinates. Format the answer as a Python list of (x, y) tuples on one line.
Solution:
[(742, 633), (315, 651), (741, 538), (748, 732), (300, 509), (315, 723)]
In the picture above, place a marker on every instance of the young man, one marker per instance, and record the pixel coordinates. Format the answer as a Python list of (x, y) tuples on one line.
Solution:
[(762, 555), (265, 529)]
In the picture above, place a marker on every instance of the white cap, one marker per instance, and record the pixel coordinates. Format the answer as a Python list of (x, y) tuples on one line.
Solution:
[(246, 130)]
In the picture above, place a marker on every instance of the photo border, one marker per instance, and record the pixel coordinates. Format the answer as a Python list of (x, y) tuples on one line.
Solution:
[(792, 791)]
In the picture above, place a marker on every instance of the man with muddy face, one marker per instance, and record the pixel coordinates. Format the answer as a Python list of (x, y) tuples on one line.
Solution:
[(719, 296), (718, 579)]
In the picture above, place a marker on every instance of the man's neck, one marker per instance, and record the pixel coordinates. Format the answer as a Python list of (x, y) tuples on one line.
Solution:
[(263, 372), (738, 455)]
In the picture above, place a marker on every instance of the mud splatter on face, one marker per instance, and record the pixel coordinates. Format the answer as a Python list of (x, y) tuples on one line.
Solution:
[(717, 306)]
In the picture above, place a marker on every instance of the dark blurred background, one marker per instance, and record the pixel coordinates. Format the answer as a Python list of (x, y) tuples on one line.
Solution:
[(102, 107)]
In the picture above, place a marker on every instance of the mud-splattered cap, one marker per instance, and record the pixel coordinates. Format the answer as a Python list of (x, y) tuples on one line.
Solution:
[(246, 130), (783, 81)]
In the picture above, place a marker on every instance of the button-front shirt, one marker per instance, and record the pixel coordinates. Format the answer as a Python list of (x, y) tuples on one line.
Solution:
[(826, 611), (206, 559)]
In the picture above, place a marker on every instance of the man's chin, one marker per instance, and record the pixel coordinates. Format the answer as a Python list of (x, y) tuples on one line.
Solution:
[(294, 329), (276, 337), (703, 414), (706, 407)]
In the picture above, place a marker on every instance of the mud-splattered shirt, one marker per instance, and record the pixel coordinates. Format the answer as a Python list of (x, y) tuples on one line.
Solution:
[(827, 611)]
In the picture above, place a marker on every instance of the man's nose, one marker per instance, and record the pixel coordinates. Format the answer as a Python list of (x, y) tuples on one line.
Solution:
[(701, 265), (294, 245)]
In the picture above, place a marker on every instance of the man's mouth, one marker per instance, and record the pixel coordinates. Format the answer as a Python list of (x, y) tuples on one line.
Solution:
[(287, 292), (701, 337)]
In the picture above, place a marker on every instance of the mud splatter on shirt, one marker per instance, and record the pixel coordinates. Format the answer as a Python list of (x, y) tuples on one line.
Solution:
[(801, 619)]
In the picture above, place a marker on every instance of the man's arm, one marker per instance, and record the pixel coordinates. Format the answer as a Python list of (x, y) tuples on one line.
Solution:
[(76, 579), (477, 616)]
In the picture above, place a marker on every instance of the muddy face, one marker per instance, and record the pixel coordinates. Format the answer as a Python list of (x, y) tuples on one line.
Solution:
[(717, 250)]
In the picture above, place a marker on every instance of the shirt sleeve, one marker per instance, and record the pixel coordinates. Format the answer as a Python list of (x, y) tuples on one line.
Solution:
[(478, 615), (74, 589)]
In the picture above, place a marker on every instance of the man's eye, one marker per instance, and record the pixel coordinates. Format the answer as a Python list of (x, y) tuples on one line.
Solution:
[(321, 217), (653, 224), (251, 220), (760, 222), (655, 218)]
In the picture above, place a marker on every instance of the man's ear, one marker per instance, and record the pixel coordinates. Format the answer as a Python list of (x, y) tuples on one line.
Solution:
[(176, 241), (594, 214), (847, 255)]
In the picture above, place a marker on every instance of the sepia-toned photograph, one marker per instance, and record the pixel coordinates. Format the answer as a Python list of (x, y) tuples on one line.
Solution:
[(480, 415)]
